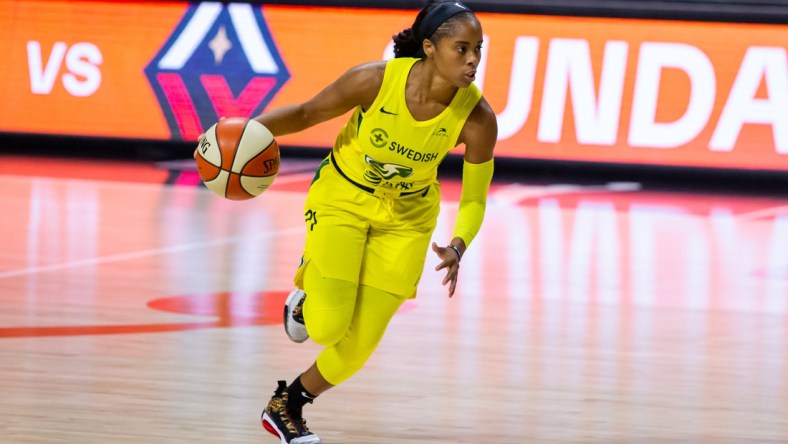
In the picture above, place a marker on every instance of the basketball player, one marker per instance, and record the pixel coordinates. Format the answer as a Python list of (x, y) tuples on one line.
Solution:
[(374, 202)]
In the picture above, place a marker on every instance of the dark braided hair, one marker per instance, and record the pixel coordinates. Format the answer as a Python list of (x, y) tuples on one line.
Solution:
[(408, 44)]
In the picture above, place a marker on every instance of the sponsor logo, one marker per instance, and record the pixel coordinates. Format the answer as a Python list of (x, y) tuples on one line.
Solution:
[(752, 95), (384, 111), (220, 61), (378, 137), (270, 165), (412, 154)]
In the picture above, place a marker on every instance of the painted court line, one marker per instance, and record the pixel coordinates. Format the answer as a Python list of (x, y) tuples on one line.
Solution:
[(766, 212), (143, 253)]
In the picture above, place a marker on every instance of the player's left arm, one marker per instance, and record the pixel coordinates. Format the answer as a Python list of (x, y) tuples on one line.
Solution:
[(479, 136)]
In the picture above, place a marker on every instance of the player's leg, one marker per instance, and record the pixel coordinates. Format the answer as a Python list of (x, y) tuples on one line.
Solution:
[(374, 309), (372, 312), (335, 237), (329, 277), (394, 255), (329, 310)]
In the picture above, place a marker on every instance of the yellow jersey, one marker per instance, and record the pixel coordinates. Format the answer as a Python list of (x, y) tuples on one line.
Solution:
[(386, 150)]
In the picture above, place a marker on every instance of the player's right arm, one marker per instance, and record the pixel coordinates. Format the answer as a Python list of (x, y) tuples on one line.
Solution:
[(357, 87)]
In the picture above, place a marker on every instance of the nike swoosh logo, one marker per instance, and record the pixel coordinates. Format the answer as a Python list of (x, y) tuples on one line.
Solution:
[(383, 110), (306, 396)]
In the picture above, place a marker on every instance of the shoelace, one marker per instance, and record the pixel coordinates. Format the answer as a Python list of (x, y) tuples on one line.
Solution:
[(304, 429), (279, 405)]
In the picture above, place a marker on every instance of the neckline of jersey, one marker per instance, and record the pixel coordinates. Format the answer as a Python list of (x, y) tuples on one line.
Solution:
[(407, 110)]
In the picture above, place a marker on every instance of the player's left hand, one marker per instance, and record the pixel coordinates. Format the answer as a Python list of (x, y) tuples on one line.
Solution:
[(451, 262)]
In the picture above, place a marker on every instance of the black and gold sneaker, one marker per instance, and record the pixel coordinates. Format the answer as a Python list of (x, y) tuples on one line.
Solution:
[(288, 425), (294, 316)]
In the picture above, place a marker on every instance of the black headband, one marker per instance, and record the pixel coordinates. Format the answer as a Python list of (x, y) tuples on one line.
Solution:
[(438, 16)]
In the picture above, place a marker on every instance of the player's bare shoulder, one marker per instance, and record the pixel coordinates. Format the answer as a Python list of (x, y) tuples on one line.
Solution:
[(482, 123), (372, 70), (364, 81), (484, 116), (479, 133)]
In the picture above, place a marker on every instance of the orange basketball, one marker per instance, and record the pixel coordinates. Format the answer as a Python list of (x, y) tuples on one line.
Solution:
[(237, 158)]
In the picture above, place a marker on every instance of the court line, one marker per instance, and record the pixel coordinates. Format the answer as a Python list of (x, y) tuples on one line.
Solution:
[(144, 253), (516, 193), (758, 214)]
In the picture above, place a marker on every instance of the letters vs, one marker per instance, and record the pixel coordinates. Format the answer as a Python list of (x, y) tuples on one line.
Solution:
[(82, 59)]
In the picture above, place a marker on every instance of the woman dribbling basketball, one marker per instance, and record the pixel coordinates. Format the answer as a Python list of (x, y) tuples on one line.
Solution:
[(372, 208)]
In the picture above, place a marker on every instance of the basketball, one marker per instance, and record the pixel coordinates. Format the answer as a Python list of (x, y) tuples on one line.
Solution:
[(237, 158)]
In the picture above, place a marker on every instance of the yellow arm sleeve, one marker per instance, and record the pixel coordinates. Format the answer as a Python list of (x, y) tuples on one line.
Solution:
[(476, 178)]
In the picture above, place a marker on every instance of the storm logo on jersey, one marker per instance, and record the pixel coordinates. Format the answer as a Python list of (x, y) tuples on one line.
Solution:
[(387, 171)]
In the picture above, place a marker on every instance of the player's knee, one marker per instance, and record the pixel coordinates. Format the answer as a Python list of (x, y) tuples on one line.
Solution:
[(328, 310), (329, 329)]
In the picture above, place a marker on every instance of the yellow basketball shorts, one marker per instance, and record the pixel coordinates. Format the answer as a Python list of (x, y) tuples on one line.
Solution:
[(366, 239)]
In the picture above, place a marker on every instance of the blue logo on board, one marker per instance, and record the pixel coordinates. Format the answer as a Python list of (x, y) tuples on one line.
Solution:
[(221, 60)]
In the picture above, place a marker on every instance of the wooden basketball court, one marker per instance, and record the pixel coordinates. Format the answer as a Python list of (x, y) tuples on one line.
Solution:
[(136, 311)]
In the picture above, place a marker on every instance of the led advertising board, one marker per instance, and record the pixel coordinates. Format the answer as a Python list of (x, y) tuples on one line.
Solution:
[(630, 91)]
